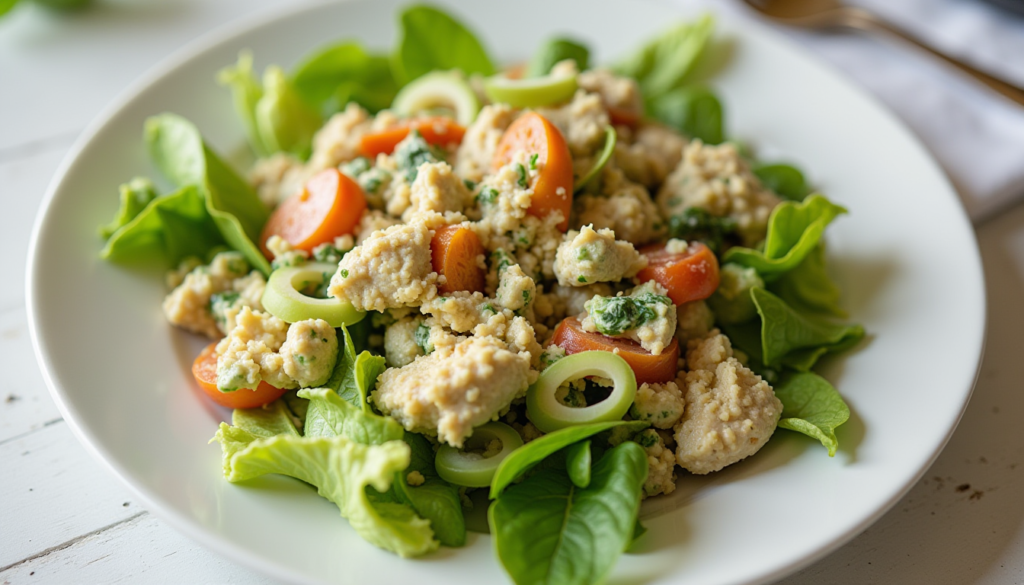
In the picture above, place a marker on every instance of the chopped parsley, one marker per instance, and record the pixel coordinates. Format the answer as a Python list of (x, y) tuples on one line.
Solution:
[(526, 297), (533, 161), (422, 338), (328, 253), (698, 224), (356, 167), (469, 184), (523, 182), (413, 152), (616, 315), (581, 278), (487, 195), (502, 259), (344, 273), (221, 302)]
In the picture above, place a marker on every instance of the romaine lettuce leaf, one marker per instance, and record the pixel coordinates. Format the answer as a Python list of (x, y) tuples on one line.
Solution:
[(789, 335), (343, 471), (812, 406), (665, 63), (794, 229), (547, 531), (135, 196), (169, 228), (337, 74), (178, 150), (430, 39)]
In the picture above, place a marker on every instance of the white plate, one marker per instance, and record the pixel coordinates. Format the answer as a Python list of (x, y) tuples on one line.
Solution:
[(905, 258)]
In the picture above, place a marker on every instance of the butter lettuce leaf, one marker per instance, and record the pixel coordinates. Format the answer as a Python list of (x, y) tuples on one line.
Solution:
[(784, 180), (329, 415), (285, 122), (178, 150), (169, 228), (808, 288), (135, 196), (788, 334), (548, 531), (265, 422), (355, 376), (343, 471), (430, 39), (812, 406), (794, 230)]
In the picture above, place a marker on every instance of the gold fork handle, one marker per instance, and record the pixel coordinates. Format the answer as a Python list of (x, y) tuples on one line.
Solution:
[(863, 20)]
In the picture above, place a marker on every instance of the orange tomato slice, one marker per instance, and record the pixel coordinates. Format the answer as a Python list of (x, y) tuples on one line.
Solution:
[(690, 276), (437, 130), (453, 251), (204, 370), (648, 368)]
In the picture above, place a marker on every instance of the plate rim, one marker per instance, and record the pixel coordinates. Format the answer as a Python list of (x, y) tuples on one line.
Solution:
[(230, 30)]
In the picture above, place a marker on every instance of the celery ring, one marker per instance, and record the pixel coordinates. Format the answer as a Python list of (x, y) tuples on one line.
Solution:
[(470, 469), (549, 415), (282, 298), (533, 92)]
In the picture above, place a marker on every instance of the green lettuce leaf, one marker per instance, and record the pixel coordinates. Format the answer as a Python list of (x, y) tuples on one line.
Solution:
[(526, 457), (333, 76), (547, 531), (555, 50), (355, 376), (135, 196), (694, 111), (808, 287), (178, 150), (168, 229), (794, 229), (435, 499), (329, 415), (665, 63), (284, 121), (343, 471), (786, 333), (430, 39), (784, 180), (812, 406), (246, 92), (265, 422), (731, 301)]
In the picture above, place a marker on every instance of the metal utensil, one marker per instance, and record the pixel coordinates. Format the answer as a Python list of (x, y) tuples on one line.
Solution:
[(833, 13)]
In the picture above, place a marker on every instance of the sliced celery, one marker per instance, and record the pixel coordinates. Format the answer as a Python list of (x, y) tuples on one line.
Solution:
[(549, 415), (282, 298), (470, 469), (533, 92)]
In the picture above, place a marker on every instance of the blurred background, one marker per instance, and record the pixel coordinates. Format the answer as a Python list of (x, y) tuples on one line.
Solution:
[(63, 61)]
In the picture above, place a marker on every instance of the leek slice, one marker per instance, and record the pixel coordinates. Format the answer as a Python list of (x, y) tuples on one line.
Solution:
[(549, 415), (282, 298), (470, 469)]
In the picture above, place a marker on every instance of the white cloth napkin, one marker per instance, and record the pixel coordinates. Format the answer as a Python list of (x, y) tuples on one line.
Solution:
[(976, 134)]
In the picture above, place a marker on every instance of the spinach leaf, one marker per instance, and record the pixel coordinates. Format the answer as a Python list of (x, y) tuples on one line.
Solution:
[(169, 228), (329, 415), (354, 376), (430, 39), (135, 196), (784, 180), (694, 111), (435, 499), (786, 333), (696, 223), (331, 77), (524, 458), (577, 463), (178, 150), (808, 287), (665, 63), (547, 531), (812, 406), (794, 229), (555, 50)]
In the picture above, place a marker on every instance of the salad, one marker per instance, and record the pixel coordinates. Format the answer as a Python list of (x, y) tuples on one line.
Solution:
[(549, 291)]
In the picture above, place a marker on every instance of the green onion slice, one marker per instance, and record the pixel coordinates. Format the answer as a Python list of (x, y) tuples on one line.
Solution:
[(549, 415), (610, 138), (282, 298), (533, 92), (471, 469)]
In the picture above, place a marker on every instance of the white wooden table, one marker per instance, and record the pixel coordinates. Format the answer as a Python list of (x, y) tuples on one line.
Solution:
[(64, 519)]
